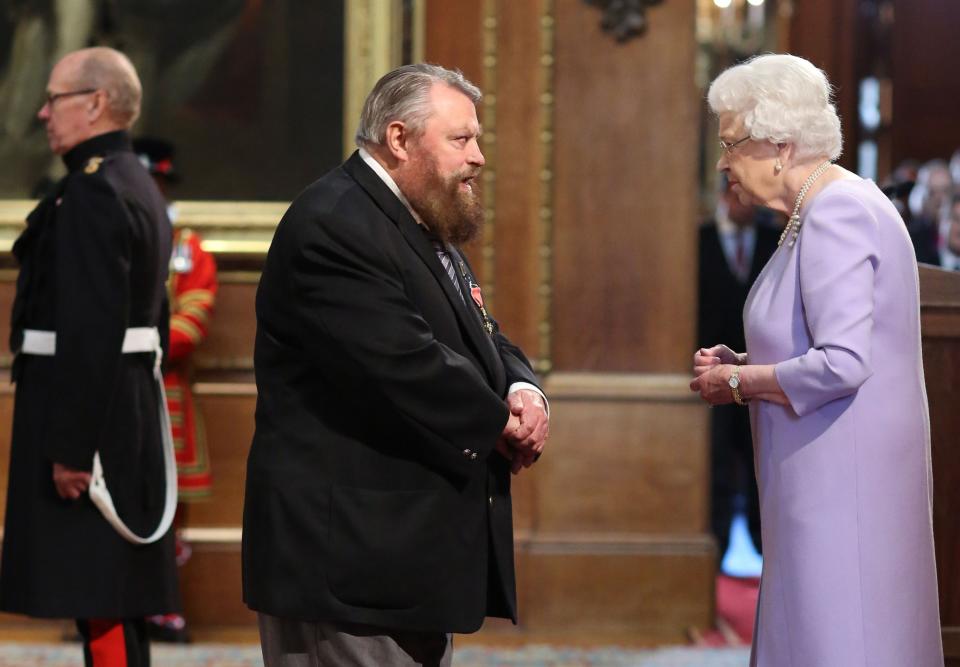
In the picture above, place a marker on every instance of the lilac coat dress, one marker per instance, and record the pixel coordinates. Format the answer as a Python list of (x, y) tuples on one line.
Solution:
[(849, 578)]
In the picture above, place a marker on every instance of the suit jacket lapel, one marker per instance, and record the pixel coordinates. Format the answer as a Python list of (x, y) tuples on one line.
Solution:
[(478, 332), (415, 236), (396, 211)]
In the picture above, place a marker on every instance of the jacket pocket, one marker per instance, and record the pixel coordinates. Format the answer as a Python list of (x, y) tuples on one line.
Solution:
[(387, 548)]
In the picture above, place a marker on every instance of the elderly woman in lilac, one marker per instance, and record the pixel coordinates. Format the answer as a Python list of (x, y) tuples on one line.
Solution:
[(834, 382)]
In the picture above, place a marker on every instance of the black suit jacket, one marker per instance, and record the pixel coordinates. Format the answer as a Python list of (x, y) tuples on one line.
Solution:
[(721, 296), (374, 494)]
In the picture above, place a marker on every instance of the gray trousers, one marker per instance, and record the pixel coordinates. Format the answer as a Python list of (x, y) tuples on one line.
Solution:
[(292, 643)]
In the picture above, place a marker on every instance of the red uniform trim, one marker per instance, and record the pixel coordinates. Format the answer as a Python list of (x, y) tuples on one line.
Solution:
[(108, 647)]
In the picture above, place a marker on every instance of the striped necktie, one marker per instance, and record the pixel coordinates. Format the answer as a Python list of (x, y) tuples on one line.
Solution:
[(447, 262)]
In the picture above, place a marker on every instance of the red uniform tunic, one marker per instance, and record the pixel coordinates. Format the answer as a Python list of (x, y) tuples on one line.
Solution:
[(193, 288)]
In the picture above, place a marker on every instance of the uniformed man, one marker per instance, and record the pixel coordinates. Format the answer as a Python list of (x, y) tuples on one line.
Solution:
[(89, 306)]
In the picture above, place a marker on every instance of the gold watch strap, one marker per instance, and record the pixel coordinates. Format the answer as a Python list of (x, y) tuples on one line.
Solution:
[(737, 397)]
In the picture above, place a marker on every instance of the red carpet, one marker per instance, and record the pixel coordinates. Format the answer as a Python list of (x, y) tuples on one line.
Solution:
[(737, 604), (736, 611)]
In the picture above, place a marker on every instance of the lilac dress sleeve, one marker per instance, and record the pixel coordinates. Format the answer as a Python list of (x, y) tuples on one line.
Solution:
[(837, 261)]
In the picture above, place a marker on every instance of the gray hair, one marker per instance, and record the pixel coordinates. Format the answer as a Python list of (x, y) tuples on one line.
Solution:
[(783, 99), (109, 70), (404, 95)]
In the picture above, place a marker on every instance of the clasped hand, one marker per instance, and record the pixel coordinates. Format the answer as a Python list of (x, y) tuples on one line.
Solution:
[(712, 368), (526, 432)]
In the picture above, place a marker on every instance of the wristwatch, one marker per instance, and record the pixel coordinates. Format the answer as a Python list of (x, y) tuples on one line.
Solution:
[(734, 383)]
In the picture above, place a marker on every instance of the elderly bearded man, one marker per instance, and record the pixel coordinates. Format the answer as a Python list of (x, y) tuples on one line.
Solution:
[(390, 410), (85, 326)]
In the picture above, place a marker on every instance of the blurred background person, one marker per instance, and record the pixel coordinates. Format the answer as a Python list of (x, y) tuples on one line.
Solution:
[(929, 204), (898, 185), (734, 247), (953, 235)]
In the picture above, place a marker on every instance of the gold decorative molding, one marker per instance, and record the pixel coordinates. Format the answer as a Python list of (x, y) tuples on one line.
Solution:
[(221, 535), (241, 227), (545, 291), (373, 45), (418, 31), (13, 216), (212, 362), (489, 139), (690, 544), (242, 389), (231, 277)]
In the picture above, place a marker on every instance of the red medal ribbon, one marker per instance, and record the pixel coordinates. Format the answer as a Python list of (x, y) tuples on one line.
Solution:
[(476, 294)]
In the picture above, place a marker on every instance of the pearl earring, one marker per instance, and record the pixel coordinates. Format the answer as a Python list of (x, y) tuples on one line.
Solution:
[(778, 167)]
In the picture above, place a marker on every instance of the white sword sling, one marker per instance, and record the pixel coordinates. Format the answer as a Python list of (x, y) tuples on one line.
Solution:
[(139, 339)]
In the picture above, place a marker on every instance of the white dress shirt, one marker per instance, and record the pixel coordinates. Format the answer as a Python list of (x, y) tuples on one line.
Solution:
[(731, 235)]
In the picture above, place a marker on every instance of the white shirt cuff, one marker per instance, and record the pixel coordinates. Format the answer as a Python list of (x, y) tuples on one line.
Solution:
[(517, 386)]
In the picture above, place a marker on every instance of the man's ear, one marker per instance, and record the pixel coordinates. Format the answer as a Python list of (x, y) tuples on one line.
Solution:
[(98, 106), (397, 140)]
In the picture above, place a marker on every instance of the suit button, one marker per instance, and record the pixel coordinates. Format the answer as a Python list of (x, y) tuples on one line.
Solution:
[(467, 453), (473, 456), (490, 500)]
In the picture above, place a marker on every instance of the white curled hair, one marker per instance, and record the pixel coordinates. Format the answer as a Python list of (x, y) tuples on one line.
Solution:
[(783, 99)]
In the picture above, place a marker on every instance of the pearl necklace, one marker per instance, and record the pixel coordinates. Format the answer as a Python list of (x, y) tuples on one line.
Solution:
[(793, 225)]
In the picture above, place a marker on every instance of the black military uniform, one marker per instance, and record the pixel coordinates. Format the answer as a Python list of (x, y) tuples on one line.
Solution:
[(93, 262)]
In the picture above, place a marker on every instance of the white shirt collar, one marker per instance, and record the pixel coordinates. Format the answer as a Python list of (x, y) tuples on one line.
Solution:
[(390, 183)]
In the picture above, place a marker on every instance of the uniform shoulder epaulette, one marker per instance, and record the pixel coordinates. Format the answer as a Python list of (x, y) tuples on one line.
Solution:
[(93, 164)]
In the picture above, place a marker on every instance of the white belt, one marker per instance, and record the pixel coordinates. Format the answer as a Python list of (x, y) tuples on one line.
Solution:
[(138, 339)]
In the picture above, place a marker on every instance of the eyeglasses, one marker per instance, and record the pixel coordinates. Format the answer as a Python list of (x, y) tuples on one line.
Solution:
[(729, 147), (53, 97)]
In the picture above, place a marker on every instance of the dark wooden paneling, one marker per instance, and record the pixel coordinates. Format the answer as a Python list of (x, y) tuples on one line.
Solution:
[(638, 591), (830, 34), (631, 595), (228, 415), (454, 36), (233, 327), (619, 465), (951, 646), (940, 323), (926, 86), (825, 33), (454, 39), (941, 358), (518, 155), (210, 583), (625, 192)]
